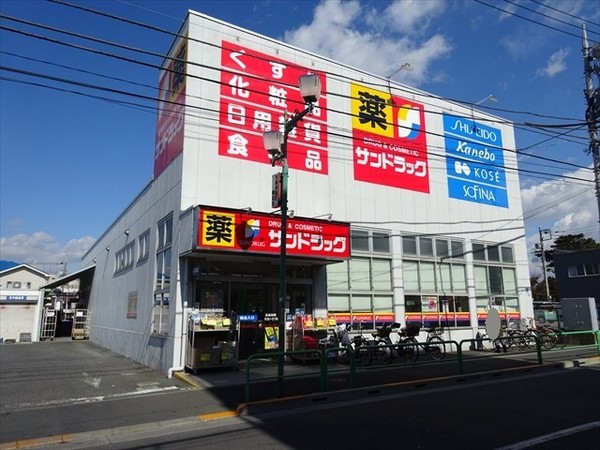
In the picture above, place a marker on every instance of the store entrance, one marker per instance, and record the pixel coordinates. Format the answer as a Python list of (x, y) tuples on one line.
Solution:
[(255, 308)]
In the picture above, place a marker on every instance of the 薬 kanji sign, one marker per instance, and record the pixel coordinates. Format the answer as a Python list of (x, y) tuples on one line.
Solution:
[(241, 231)]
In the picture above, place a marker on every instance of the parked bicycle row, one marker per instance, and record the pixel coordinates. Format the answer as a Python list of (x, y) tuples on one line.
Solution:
[(522, 337), (380, 347)]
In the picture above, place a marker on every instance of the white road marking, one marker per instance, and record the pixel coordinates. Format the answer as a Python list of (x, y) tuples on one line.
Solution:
[(549, 437)]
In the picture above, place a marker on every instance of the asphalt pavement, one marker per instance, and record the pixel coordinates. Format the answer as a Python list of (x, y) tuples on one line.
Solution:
[(75, 389)]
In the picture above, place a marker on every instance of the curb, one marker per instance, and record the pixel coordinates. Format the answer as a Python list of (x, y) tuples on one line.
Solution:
[(362, 393), (188, 379)]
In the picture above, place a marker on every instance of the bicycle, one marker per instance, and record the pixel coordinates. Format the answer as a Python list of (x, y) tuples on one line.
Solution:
[(345, 343), (434, 344), (382, 343), (408, 346)]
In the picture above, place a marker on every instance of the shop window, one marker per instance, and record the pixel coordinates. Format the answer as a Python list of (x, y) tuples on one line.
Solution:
[(441, 248), (163, 254), (381, 243), (360, 240), (383, 304), (360, 303), (382, 279), (433, 310), (360, 276), (493, 253), (132, 305), (427, 276), (481, 280), (338, 303), (426, 247), (458, 249), (337, 276), (479, 252), (444, 280), (459, 278), (409, 245), (410, 274), (507, 255), (163, 276), (144, 246), (160, 323), (412, 303)]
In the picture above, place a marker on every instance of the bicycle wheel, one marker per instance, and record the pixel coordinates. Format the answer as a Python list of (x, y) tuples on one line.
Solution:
[(549, 339), (342, 355), (364, 355), (529, 338), (409, 351), (436, 347), (383, 353)]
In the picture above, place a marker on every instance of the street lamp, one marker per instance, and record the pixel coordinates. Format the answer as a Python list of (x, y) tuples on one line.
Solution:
[(545, 235), (276, 145)]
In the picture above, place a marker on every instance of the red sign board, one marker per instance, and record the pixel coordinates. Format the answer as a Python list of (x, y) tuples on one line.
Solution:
[(171, 111), (260, 93), (231, 230), (389, 140)]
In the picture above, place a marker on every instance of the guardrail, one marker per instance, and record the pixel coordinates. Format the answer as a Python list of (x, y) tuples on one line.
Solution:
[(457, 348)]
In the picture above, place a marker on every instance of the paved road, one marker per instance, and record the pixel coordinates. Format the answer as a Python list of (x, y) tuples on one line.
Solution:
[(75, 387)]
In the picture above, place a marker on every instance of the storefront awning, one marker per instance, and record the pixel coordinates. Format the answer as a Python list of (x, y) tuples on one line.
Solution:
[(86, 273)]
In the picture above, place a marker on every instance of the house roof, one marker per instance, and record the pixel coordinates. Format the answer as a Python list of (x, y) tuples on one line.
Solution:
[(23, 267), (85, 272)]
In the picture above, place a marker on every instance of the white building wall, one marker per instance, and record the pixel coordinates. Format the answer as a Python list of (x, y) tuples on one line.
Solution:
[(201, 176), (211, 179), (110, 327)]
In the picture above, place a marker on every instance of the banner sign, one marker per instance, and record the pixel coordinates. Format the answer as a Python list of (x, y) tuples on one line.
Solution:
[(232, 230), (171, 110), (259, 93), (388, 140), (474, 162)]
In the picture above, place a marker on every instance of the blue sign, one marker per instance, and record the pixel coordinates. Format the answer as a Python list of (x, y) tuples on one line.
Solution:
[(16, 297), (248, 317), (474, 162)]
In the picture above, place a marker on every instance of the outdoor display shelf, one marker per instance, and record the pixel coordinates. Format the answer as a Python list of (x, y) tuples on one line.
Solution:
[(211, 341), (306, 333)]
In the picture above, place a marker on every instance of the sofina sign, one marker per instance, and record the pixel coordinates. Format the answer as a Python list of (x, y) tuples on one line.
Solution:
[(474, 162)]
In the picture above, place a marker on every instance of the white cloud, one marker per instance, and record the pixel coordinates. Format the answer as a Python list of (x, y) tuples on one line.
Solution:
[(41, 250), (344, 31), (553, 199), (410, 16), (560, 205), (555, 64)]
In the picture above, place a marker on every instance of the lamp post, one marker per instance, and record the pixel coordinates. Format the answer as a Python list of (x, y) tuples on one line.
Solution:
[(276, 145), (546, 232)]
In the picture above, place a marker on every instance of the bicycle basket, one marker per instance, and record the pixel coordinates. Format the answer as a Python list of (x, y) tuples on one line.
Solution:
[(412, 329), (384, 332)]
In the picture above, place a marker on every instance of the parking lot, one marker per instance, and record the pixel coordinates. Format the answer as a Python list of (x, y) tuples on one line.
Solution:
[(58, 372)]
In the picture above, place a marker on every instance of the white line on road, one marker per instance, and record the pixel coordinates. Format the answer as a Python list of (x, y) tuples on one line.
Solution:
[(548, 437)]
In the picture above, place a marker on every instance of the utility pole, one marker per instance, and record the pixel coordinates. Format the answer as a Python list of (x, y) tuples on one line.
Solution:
[(548, 233), (591, 65)]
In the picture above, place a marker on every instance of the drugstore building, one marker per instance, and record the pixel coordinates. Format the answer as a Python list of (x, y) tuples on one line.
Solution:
[(402, 206)]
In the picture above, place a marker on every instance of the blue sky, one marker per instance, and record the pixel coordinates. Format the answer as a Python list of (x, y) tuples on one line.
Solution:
[(72, 157)]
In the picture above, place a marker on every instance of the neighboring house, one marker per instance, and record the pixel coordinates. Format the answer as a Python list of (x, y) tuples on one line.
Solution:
[(577, 274), (20, 301)]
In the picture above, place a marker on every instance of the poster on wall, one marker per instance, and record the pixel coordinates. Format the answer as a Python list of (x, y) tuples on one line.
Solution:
[(388, 140), (474, 162), (232, 230), (259, 93), (171, 110)]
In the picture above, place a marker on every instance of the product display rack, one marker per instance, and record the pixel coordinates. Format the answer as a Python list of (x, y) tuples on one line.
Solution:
[(212, 341), (306, 333)]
